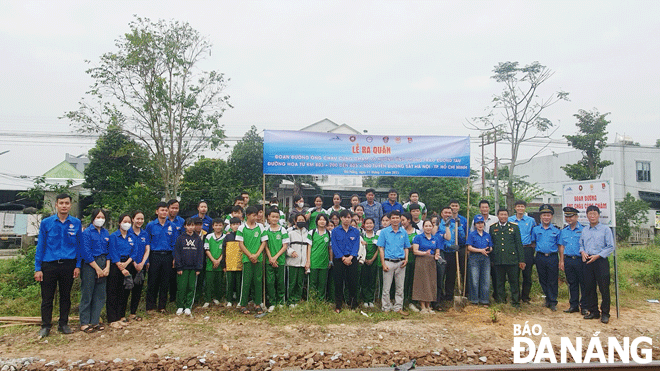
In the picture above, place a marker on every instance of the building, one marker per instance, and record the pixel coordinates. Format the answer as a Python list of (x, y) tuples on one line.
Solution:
[(635, 170)]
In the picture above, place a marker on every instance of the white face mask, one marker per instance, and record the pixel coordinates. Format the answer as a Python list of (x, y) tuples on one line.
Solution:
[(301, 204), (99, 222), (125, 226)]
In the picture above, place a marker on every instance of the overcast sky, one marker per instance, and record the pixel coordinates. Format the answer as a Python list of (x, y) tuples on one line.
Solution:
[(389, 67)]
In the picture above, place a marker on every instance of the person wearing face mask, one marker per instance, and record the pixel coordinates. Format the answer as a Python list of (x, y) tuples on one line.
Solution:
[(298, 208), (296, 258), (120, 254), (140, 261), (95, 267)]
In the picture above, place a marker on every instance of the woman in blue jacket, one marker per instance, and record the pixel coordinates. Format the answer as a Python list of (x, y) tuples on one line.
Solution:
[(140, 261), (121, 255), (95, 267)]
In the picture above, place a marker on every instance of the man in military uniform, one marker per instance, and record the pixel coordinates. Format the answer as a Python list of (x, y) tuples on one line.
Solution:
[(508, 257), (573, 267), (545, 238)]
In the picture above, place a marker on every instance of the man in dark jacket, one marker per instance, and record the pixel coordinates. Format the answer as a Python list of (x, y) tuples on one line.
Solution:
[(508, 256)]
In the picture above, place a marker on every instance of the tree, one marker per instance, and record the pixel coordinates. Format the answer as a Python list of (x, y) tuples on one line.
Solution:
[(209, 180), (246, 160), (522, 189), (520, 109), (38, 191), (118, 165), (591, 139), (153, 89), (657, 143), (630, 212)]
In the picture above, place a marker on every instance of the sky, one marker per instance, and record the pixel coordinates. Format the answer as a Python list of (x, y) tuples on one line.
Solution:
[(387, 67)]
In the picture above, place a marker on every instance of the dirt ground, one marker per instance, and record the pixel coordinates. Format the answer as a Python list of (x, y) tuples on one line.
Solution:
[(220, 332)]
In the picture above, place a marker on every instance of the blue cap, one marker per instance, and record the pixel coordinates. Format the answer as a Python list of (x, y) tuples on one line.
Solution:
[(478, 219)]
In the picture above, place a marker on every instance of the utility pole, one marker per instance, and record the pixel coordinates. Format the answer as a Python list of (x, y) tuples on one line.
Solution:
[(483, 169), (490, 137)]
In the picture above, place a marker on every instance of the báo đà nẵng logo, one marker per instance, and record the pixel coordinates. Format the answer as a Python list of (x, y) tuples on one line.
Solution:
[(527, 350)]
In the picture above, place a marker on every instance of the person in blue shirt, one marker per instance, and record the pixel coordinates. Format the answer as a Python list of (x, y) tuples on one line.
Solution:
[(392, 203), (525, 224), (449, 250), (426, 247), (55, 263), (548, 256), (573, 266), (596, 245), (479, 244), (444, 235), (161, 235), (393, 244), (173, 207), (372, 209), (121, 254), (95, 268), (345, 242), (140, 261), (207, 222)]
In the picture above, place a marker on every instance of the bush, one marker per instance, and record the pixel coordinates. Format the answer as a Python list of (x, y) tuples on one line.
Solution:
[(20, 294)]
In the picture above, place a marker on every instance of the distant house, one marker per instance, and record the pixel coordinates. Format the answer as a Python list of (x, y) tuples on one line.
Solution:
[(71, 168)]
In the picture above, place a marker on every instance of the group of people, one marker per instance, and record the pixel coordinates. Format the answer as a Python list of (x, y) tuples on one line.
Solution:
[(369, 253)]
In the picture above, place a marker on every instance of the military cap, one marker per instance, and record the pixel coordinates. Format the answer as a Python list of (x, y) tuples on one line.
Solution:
[(570, 211), (546, 208)]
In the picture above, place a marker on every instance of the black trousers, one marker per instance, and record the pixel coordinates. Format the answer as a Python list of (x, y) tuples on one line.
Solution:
[(450, 272), (345, 275), (136, 291), (548, 270), (597, 274), (57, 273), (117, 295), (574, 270), (527, 273), (160, 271)]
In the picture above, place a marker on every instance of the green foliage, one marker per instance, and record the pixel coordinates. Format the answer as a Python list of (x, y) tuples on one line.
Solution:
[(646, 261), (246, 160), (153, 88), (522, 189), (630, 212), (657, 143), (208, 179), (591, 139), (119, 173), (20, 294)]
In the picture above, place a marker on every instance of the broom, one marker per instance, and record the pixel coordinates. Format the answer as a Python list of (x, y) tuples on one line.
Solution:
[(460, 301)]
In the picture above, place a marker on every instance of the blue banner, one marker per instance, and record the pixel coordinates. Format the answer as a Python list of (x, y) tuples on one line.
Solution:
[(312, 153)]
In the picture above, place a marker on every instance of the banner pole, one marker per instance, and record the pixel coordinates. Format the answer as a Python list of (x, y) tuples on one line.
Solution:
[(616, 273), (263, 266)]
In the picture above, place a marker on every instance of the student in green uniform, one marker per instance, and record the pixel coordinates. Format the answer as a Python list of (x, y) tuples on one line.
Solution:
[(368, 274), (319, 256), (233, 262), (252, 242), (278, 242), (296, 258), (215, 277), (313, 212), (236, 212), (410, 228), (275, 204)]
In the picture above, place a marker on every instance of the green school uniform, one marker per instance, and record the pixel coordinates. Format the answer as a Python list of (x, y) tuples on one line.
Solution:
[(275, 284), (369, 273), (313, 213), (252, 272), (318, 262), (410, 271), (214, 287)]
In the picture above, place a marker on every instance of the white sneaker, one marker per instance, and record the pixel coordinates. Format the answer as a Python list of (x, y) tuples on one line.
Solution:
[(271, 309), (366, 305), (371, 305), (187, 312), (206, 305), (179, 311), (229, 304), (413, 308), (216, 302)]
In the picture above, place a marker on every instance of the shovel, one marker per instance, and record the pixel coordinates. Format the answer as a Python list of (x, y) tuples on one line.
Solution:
[(460, 301)]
